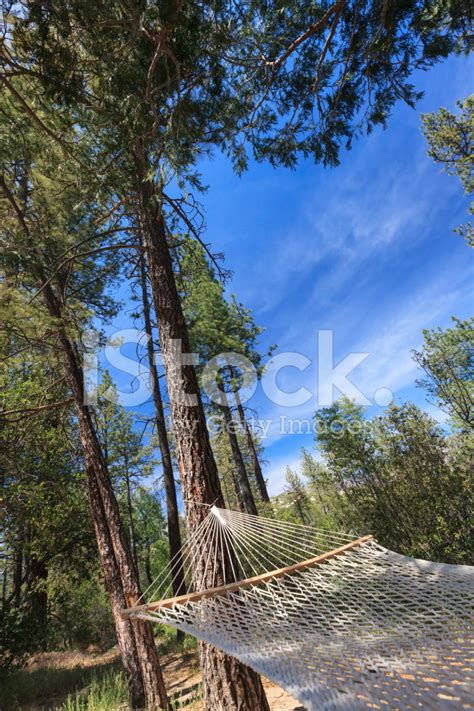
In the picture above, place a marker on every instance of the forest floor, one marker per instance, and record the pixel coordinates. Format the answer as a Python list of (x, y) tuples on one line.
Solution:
[(64, 680)]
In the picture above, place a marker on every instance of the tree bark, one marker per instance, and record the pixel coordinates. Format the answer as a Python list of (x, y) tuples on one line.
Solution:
[(147, 681), (148, 575), (17, 569), (174, 533), (259, 478), (131, 527), (225, 679), (237, 494), (122, 583), (113, 584), (37, 597), (229, 684), (243, 479)]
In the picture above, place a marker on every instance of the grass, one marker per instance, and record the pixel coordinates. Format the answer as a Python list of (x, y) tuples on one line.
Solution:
[(111, 692), (91, 689), (46, 688), (104, 693), (168, 641), (99, 687)]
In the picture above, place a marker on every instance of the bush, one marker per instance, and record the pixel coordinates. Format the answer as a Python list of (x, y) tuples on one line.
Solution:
[(17, 637), (79, 612)]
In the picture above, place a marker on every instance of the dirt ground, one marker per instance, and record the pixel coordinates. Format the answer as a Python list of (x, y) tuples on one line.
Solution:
[(183, 679), (181, 672)]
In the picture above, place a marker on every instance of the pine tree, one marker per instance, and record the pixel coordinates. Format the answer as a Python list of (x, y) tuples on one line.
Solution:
[(47, 212), (297, 495), (218, 325), (450, 142)]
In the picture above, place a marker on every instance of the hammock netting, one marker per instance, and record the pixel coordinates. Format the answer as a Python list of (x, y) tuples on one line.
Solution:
[(338, 622)]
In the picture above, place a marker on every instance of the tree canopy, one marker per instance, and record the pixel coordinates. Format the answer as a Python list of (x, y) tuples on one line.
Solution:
[(451, 143)]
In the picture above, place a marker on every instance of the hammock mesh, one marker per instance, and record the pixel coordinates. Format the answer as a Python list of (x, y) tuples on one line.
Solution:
[(367, 628)]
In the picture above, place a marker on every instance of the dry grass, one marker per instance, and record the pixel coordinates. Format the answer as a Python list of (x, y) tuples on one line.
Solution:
[(87, 681)]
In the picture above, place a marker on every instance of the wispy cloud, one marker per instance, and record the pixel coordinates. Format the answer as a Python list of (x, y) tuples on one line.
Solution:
[(389, 337), (365, 250)]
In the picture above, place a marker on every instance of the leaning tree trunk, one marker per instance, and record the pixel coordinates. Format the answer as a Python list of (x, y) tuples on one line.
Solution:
[(262, 487), (174, 534), (123, 584), (113, 584), (153, 684), (131, 526), (243, 479), (228, 684)]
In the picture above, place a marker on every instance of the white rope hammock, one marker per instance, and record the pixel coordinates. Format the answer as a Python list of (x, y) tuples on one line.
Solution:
[(337, 622)]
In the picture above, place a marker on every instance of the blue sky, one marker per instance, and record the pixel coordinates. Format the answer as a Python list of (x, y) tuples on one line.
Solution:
[(365, 249)]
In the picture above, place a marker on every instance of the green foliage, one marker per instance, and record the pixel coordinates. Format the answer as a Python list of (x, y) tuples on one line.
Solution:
[(18, 637), (451, 142), (324, 75), (297, 496), (216, 324), (151, 534), (447, 359), (403, 478), (46, 530), (125, 451), (282, 79), (327, 508), (79, 611)]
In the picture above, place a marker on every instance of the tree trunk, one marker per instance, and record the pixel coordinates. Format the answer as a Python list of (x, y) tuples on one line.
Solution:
[(155, 692), (113, 584), (262, 487), (301, 512), (174, 533), (148, 575), (37, 597), (228, 684), (237, 495), (18, 569), (225, 680), (131, 527), (243, 479), (4, 585), (122, 583)]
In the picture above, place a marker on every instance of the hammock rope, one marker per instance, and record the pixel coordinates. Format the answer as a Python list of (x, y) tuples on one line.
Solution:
[(338, 621)]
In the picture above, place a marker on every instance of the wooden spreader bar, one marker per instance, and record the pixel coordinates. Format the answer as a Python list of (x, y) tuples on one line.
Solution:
[(247, 583)]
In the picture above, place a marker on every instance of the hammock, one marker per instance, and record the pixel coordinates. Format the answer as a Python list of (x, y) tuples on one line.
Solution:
[(337, 622)]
